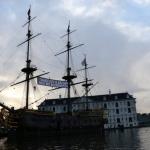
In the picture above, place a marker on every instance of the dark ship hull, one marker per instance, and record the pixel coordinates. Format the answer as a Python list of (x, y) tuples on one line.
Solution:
[(28, 122)]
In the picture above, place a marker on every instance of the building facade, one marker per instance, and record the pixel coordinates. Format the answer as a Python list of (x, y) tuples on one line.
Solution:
[(120, 108)]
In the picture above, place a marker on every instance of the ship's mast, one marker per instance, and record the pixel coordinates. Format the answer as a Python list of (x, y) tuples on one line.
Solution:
[(28, 70), (87, 84), (69, 77), (28, 61)]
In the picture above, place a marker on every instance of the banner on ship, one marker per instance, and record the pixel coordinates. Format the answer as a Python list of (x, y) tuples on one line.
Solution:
[(52, 83)]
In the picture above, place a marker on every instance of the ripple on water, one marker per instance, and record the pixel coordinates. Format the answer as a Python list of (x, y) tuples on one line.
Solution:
[(129, 139)]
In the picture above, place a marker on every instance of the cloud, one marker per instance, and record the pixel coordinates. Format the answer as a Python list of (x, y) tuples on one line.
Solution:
[(143, 2), (140, 71), (111, 13), (95, 8), (134, 31), (119, 47), (74, 7)]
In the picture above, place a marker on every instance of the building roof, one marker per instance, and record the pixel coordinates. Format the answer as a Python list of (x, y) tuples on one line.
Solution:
[(106, 97)]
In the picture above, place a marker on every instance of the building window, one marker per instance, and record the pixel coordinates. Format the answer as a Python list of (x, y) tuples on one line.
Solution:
[(116, 97), (53, 102), (128, 103), (131, 125), (99, 105), (104, 98), (118, 120), (53, 109), (64, 108), (116, 104), (130, 119), (105, 105), (129, 110), (117, 111), (127, 96)]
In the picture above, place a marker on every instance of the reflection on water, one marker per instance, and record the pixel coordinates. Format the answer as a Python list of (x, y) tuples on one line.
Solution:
[(129, 139)]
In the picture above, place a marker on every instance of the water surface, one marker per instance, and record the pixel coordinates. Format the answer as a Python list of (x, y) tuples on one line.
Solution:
[(129, 139)]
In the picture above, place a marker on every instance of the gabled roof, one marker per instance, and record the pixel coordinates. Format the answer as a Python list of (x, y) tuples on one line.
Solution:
[(106, 97)]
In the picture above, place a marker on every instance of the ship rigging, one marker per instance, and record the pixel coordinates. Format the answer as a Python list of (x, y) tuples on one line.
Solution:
[(28, 70), (25, 120)]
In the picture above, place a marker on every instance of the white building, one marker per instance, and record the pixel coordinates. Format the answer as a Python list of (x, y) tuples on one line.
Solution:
[(120, 108)]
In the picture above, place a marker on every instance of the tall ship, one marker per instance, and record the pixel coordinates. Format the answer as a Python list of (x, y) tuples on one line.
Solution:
[(25, 120)]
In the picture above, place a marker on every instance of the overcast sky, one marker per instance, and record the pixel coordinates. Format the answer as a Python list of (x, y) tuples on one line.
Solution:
[(116, 34)]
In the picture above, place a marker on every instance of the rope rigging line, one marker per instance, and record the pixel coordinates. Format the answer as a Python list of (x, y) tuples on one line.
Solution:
[(79, 74), (38, 99), (33, 86), (46, 62), (49, 93), (19, 75), (41, 70), (72, 63), (75, 90), (23, 95), (60, 61), (35, 89), (13, 48), (65, 68)]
